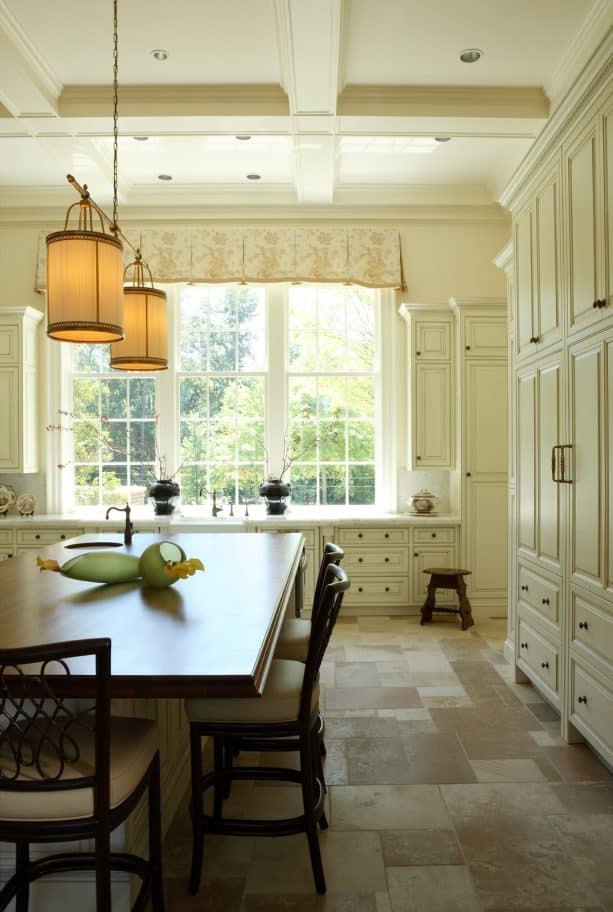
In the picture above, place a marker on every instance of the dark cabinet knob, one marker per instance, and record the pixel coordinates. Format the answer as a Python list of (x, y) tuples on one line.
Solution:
[(360, 560), (37, 535), (415, 554), (544, 664), (360, 535), (468, 474), (62, 537), (387, 588), (595, 304), (524, 645), (418, 353), (545, 601), (418, 458), (582, 699), (467, 347), (524, 588), (360, 589), (582, 625), (387, 560), (387, 535), (9, 555), (434, 535)]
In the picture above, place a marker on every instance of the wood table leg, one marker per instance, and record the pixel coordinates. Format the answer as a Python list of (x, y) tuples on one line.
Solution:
[(465, 607), (429, 604)]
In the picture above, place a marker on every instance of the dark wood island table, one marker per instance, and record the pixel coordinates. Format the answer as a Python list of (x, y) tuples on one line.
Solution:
[(212, 634)]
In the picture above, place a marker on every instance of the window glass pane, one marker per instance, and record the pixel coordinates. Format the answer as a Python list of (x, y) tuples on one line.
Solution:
[(331, 383)]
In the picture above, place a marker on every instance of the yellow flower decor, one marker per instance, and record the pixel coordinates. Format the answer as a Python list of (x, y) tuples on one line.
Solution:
[(160, 565)]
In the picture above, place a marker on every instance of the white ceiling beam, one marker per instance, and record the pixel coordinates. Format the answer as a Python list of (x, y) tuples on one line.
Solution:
[(443, 101), (175, 101), (309, 33), (28, 87)]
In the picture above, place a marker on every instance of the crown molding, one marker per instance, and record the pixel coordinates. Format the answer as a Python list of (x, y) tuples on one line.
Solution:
[(583, 44), (414, 194), (175, 100), (39, 70), (504, 259), (592, 81), (443, 101), (48, 217), (459, 303)]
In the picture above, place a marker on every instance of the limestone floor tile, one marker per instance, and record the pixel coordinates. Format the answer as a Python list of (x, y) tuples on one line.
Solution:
[(413, 715), (543, 712), (480, 719), (421, 678), (511, 838), (357, 674), (215, 894), (445, 702), (432, 662), (432, 889), (387, 807), (507, 771), (362, 727), (420, 847), (329, 902), (441, 690), (588, 839), (377, 697), (372, 653), (436, 758), (353, 863), (498, 744), (502, 798), (383, 902), (587, 798), (335, 762), (577, 763), (377, 762), (547, 739)]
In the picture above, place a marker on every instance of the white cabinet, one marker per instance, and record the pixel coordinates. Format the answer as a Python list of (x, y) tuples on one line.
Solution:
[(483, 447), (563, 550), (537, 239), (18, 389), (430, 387)]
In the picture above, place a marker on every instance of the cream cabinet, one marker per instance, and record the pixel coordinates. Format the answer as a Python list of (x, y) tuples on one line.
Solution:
[(430, 387), (483, 407), (563, 422), (19, 389), (537, 240)]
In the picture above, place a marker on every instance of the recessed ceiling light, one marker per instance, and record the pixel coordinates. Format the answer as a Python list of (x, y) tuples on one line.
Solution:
[(242, 137), (165, 177), (140, 138), (471, 55), (254, 177), (159, 54), (442, 138)]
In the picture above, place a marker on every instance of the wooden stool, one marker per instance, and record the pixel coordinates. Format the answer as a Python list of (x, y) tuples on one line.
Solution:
[(447, 578)]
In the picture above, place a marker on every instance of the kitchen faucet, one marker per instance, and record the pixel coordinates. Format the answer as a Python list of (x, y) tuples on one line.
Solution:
[(129, 526), (214, 508)]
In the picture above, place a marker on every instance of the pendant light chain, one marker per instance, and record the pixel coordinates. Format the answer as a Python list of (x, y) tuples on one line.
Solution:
[(115, 226)]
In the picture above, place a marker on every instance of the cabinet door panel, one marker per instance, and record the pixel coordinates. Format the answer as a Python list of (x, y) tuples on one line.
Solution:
[(486, 406), (433, 415), (608, 176), (608, 444), (523, 281), (433, 340), (526, 481), (9, 419), (549, 406), (486, 530), (548, 323), (582, 213), (587, 489), (424, 557)]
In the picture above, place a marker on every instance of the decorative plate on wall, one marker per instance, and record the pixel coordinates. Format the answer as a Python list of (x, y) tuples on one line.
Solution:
[(26, 504)]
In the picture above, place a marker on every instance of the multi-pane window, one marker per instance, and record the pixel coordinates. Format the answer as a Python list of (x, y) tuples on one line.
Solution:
[(259, 380)]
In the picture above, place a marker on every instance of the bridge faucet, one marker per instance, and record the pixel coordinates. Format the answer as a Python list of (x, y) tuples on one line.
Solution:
[(214, 508), (129, 526)]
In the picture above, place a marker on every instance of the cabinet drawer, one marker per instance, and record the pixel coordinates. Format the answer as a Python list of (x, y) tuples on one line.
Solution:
[(541, 594), (372, 536), (36, 537), (377, 560), (592, 707), (378, 592), (539, 655), (6, 536), (592, 627), (430, 536), (485, 337), (5, 553)]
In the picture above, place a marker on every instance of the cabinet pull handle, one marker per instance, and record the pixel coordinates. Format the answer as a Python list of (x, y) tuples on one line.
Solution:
[(387, 535), (524, 588), (468, 474), (62, 537), (418, 458), (596, 304), (387, 588), (360, 589), (434, 535), (582, 699), (418, 354), (360, 560), (360, 534), (467, 347), (387, 560), (415, 554), (544, 664), (582, 625), (562, 479), (524, 645), (37, 535), (545, 601)]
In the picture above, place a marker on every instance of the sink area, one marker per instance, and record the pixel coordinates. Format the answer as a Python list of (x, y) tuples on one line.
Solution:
[(205, 519), (95, 544)]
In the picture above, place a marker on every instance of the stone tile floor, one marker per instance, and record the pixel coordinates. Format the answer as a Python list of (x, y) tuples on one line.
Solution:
[(449, 788)]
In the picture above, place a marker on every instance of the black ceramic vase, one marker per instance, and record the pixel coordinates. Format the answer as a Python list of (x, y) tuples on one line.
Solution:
[(164, 495), (275, 492)]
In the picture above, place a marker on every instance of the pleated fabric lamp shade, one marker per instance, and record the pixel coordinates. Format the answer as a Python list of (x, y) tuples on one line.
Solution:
[(145, 343), (84, 286)]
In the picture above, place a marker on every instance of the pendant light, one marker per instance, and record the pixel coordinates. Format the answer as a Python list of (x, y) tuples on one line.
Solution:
[(145, 343), (84, 265)]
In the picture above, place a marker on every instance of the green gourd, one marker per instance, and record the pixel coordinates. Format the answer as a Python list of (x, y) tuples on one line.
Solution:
[(160, 565)]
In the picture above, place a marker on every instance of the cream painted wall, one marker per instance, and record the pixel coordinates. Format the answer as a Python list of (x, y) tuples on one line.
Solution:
[(440, 260)]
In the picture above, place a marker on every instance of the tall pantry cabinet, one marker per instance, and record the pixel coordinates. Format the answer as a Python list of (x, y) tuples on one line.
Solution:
[(561, 200)]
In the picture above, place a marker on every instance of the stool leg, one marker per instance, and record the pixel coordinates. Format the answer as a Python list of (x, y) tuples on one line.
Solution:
[(429, 604), (465, 607)]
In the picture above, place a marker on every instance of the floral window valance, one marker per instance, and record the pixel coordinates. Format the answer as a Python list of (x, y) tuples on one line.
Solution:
[(262, 254)]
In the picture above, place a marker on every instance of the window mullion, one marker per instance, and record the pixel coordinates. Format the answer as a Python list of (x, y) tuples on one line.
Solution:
[(276, 385)]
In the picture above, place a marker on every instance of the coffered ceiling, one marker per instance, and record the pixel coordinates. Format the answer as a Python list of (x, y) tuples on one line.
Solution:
[(336, 105)]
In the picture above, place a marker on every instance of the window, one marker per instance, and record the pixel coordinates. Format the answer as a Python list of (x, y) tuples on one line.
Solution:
[(260, 380)]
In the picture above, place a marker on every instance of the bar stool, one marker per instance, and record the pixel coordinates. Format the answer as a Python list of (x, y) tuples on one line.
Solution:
[(447, 578)]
